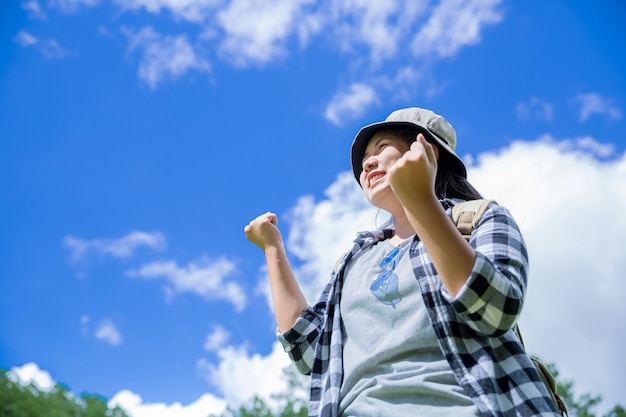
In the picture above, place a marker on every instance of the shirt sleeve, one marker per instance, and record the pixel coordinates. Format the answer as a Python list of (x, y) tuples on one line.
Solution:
[(491, 299), (301, 340)]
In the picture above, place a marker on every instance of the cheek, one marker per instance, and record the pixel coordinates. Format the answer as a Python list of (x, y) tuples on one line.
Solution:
[(392, 155), (362, 179)]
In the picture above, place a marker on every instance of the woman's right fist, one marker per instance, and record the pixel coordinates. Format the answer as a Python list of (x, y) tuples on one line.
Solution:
[(263, 230)]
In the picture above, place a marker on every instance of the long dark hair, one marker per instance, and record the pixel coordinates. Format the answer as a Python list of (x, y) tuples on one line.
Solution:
[(448, 184)]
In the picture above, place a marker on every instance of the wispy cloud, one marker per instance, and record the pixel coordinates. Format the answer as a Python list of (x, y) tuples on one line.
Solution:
[(534, 109), (121, 248), (592, 103), (24, 39), (48, 48), (72, 6), (217, 339), (108, 332), (195, 11), (34, 9), (349, 104), (453, 25), (204, 278), (372, 29), (256, 31), (164, 56)]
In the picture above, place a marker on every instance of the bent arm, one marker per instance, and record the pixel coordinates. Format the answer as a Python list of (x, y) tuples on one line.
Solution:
[(413, 182), (485, 281)]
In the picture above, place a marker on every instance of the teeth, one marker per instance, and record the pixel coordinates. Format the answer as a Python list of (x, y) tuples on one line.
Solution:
[(375, 177)]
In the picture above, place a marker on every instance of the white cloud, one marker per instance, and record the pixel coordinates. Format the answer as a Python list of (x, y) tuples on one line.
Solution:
[(30, 373), (206, 279), (34, 9), (239, 376), (84, 324), (534, 108), (453, 25), (217, 339), (568, 204), (592, 103), (256, 31), (134, 406), (164, 56), (108, 332), (120, 248), (72, 6), (24, 39), (48, 48), (350, 104), (191, 10), (378, 25)]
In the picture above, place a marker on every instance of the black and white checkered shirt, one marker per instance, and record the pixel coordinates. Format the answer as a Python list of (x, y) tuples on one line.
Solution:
[(475, 329)]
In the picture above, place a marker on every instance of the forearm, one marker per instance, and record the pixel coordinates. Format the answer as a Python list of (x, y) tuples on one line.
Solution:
[(287, 297), (452, 256)]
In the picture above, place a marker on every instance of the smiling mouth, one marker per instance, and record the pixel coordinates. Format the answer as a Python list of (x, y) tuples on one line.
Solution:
[(375, 178)]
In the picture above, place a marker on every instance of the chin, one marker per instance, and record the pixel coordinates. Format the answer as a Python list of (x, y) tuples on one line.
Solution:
[(379, 194)]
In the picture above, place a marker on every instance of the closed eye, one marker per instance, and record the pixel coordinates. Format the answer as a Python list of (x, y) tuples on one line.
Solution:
[(378, 146)]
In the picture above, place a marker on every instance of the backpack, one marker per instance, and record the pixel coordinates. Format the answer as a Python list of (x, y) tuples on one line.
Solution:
[(466, 216)]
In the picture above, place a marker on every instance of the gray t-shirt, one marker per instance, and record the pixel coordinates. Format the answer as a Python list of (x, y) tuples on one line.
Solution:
[(392, 363)]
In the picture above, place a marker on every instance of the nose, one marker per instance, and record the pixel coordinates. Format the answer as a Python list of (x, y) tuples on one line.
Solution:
[(369, 164)]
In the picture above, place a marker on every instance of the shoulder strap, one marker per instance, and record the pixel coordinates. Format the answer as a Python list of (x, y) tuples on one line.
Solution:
[(339, 261), (547, 378), (467, 214)]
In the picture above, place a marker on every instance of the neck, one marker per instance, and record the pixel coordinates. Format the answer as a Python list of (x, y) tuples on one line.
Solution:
[(404, 229)]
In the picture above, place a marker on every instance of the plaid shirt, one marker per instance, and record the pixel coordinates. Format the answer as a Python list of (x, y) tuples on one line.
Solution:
[(475, 329)]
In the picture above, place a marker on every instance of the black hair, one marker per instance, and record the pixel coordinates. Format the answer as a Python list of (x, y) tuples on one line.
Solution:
[(448, 184)]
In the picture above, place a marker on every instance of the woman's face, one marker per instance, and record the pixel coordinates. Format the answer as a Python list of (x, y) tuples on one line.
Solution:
[(382, 151)]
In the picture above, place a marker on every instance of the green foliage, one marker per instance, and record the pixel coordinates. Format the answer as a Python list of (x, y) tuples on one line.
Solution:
[(583, 405), (17, 400), (258, 408), (293, 402)]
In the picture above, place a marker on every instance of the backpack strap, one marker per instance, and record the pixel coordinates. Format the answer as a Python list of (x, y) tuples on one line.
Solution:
[(467, 214), (547, 378)]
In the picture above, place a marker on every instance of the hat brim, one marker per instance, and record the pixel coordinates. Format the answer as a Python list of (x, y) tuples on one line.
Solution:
[(448, 158)]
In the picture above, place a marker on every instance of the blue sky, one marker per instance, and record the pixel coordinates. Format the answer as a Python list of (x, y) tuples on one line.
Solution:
[(139, 137)]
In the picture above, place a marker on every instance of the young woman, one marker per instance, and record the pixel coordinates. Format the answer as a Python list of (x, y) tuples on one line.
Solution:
[(415, 320)]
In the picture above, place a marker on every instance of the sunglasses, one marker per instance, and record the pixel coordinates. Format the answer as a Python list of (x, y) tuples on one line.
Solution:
[(385, 286)]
